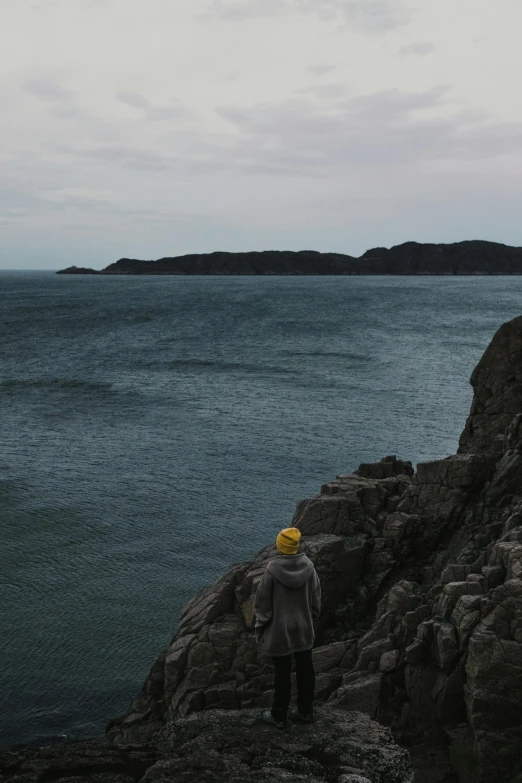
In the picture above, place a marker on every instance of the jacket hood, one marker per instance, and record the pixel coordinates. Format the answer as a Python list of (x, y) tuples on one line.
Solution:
[(291, 570)]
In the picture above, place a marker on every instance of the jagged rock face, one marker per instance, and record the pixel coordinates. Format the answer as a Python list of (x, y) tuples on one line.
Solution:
[(228, 747), (497, 386), (421, 626)]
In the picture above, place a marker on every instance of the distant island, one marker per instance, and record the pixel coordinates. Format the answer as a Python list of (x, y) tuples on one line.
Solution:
[(475, 257)]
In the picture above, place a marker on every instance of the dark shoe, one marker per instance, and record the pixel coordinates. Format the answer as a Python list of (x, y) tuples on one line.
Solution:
[(297, 716), (267, 716)]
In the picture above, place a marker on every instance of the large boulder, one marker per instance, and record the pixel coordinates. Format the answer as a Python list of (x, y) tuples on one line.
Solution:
[(497, 387), (385, 468)]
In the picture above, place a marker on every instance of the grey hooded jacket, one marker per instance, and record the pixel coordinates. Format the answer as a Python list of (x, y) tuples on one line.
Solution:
[(288, 600)]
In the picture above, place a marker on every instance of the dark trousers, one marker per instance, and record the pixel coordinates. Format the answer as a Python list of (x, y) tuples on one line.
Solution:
[(305, 680)]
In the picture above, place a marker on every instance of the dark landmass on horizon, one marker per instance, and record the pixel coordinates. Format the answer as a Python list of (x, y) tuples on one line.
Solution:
[(475, 257)]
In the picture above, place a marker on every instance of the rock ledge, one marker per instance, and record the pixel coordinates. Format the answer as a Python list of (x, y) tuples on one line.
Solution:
[(227, 746)]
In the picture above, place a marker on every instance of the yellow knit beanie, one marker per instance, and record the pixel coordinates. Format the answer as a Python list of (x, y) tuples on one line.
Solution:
[(288, 540)]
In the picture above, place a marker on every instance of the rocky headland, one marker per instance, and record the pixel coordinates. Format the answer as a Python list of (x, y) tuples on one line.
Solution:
[(421, 622), (474, 257), (418, 651)]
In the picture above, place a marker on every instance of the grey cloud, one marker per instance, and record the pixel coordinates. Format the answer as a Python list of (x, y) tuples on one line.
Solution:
[(236, 11), (304, 118), (47, 90), (44, 5), (419, 49), (17, 207), (168, 113), (64, 111), (133, 99), (321, 70), (60, 101), (379, 129), (129, 157), (331, 90), (151, 112), (231, 76), (395, 104), (490, 139), (369, 16), (13, 199), (96, 3), (300, 139)]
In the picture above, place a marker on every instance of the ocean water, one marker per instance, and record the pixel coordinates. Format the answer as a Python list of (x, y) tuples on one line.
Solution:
[(156, 430)]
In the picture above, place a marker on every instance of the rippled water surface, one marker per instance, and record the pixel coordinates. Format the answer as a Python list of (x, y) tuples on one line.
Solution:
[(155, 430)]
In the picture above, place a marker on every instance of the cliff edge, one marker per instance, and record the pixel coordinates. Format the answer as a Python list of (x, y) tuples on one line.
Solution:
[(421, 622)]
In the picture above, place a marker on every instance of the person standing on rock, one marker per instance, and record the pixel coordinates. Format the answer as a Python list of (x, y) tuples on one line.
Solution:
[(287, 601)]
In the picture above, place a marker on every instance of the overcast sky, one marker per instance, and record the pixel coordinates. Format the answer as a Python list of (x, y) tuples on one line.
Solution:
[(147, 128)]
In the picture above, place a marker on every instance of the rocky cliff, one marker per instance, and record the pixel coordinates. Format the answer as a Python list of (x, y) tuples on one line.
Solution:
[(421, 623), (411, 258)]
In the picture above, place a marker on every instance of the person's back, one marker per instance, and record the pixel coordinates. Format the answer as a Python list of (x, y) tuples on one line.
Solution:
[(288, 600)]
